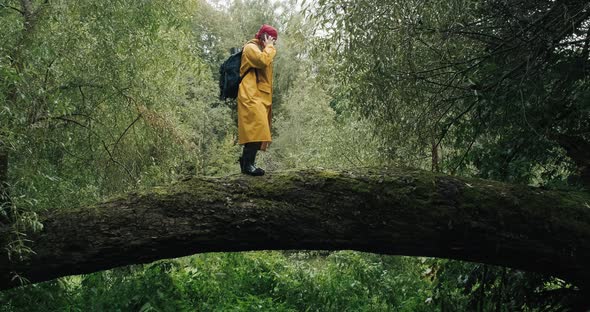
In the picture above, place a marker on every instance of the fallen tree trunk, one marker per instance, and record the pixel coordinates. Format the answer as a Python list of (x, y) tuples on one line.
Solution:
[(398, 212)]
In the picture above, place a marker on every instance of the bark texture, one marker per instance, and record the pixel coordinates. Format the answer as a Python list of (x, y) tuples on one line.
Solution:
[(398, 212)]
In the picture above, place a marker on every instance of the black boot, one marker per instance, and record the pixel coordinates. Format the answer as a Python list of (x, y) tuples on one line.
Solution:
[(248, 159), (241, 161)]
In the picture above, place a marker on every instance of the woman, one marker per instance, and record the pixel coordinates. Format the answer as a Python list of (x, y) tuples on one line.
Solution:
[(255, 98)]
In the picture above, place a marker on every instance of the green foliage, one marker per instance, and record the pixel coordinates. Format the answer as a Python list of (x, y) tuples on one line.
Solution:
[(92, 102), (295, 281), (310, 134), (457, 81), (463, 286), (258, 281)]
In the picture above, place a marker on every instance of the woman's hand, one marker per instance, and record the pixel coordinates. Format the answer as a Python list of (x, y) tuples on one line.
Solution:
[(268, 40)]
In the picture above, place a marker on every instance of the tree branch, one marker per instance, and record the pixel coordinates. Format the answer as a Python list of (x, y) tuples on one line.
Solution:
[(125, 132), (448, 127), (104, 144), (12, 8)]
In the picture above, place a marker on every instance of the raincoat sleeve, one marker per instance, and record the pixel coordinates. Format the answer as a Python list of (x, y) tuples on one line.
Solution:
[(257, 58)]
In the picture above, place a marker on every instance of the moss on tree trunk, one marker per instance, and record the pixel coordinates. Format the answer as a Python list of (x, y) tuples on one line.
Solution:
[(398, 212)]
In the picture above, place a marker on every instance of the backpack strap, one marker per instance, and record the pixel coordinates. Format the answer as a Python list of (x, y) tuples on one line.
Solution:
[(251, 68), (248, 71)]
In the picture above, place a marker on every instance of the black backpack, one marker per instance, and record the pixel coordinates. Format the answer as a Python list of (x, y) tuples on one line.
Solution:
[(229, 76)]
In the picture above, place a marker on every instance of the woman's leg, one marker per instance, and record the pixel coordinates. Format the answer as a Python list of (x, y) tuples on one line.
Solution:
[(248, 159)]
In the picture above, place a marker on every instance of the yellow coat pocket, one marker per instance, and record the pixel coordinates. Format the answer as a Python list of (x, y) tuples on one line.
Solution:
[(264, 87)]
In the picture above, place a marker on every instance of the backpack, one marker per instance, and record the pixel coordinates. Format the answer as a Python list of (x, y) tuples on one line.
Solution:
[(229, 76)]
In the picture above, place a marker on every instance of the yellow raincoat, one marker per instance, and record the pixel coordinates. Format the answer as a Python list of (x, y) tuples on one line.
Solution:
[(255, 94)]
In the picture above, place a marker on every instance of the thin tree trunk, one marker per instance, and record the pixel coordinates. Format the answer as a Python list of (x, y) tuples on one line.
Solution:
[(4, 198), (435, 159), (29, 15), (3, 168)]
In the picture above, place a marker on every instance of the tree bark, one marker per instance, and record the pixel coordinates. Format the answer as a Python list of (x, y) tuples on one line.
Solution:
[(397, 212)]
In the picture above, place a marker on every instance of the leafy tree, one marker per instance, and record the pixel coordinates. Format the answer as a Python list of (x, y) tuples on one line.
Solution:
[(492, 89), (498, 89)]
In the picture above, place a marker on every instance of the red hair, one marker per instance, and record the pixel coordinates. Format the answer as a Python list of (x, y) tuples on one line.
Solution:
[(268, 30)]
